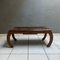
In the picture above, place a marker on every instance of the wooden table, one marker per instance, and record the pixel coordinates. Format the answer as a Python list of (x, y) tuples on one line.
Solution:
[(30, 30)]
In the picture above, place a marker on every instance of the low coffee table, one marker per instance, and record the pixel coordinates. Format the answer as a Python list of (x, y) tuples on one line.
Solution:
[(30, 30)]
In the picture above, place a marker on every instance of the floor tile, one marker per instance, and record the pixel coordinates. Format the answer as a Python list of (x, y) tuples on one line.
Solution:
[(58, 46), (37, 57), (3, 36), (21, 36), (54, 57), (18, 57), (57, 42), (46, 41), (3, 43), (19, 49), (56, 35), (56, 38), (5, 50), (4, 57), (40, 36), (33, 37), (53, 49), (36, 49), (21, 45), (35, 45)]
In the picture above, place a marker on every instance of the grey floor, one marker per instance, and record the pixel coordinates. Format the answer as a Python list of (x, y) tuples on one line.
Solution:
[(30, 47)]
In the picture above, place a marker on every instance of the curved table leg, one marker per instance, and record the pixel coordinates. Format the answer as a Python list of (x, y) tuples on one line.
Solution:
[(51, 38), (8, 40), (14, 37), (44, 37)]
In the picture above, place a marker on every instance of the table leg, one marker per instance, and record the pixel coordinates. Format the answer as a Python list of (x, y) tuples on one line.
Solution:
[(44, 37), (8, 40), (51, 38), (14, 37)]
